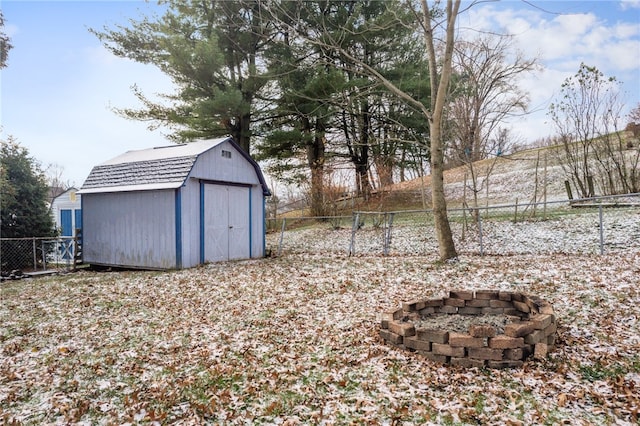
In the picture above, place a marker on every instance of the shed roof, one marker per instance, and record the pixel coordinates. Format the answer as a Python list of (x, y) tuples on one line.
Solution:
[(163, 167)]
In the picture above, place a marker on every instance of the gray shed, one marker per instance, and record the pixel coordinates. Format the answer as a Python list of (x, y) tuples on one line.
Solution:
[(174, 206)]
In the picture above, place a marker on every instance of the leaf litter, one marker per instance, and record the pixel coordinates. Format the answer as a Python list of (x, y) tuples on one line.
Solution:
[(293, 340)]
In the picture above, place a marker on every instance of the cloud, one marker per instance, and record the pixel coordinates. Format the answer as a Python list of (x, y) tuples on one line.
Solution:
[(561, 42), (629, 4)]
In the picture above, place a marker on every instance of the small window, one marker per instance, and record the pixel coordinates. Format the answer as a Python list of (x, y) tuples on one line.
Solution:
[(226, 154)]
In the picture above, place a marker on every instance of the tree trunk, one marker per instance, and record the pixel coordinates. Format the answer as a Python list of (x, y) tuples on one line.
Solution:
[(315, 160), (440, 86), (446, 244)]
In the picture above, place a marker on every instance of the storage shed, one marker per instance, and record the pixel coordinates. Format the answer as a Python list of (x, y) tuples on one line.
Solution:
[(174, 206), (66, 212)]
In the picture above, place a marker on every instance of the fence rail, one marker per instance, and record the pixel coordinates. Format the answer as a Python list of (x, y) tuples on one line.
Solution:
[(594, 225), (38, 254)]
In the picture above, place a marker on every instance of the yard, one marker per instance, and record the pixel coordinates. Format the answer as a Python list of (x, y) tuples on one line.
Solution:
[(294, 340)]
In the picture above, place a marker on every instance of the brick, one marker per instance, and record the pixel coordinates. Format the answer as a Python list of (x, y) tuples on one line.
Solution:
[(542, 321), (535, 337), (522, 307), (500, 304), (505, 364), (551, 340), (505, 342), (448, 309), (468, 310), (518, 329), (551, 329), (468, 362), (432, 335), (450, 301), (546, 309), (414, 343), (447, 350), (505, 295), (477, 303), (402, 328), (478, 330), (486, 294), (440, 359), (517, 296), (514, 354), (384, 324), (392, 315), (540, 351), (486, 353), (535, 303), (413, 305), (433, 302), (461, 294), (427, 311), (390, 337), (465, 341)]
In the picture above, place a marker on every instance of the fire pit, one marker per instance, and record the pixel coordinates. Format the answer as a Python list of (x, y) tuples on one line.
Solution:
[(482, 328)]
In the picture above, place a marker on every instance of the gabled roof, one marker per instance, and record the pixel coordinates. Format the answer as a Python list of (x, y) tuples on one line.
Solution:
[(164, 167)]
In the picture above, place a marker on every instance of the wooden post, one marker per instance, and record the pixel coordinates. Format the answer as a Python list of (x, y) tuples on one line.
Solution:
[(515, 216), (544, 188), (567, 186), (535, 187)]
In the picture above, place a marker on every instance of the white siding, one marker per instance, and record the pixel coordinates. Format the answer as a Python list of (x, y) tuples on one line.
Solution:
[(134, 229), (68, 200)]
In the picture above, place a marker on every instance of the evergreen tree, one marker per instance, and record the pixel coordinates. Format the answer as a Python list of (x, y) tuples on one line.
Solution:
[(211, 50), (327, 107), (5, 44), (24, 194)]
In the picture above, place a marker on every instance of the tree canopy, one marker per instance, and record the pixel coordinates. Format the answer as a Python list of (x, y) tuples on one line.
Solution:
[(24, 193), (211, 51), (5, 44)]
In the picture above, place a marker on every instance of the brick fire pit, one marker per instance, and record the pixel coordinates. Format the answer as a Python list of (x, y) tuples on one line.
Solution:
[(483, 328)]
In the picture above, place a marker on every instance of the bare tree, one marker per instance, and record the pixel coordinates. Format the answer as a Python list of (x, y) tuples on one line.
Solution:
[(586, 116), (485, 92)]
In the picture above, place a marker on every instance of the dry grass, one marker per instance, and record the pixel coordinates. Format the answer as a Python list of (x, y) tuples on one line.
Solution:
[(293, 340)]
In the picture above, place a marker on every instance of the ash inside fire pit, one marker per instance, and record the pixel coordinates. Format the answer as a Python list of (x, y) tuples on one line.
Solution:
[(483, 328), (462, 323)]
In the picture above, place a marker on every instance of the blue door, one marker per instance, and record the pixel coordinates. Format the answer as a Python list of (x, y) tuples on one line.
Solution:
[(78, 217), (66, 223)]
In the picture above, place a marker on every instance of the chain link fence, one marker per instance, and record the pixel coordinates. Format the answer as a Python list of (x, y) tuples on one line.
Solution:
[(32, 256), (597, 225)]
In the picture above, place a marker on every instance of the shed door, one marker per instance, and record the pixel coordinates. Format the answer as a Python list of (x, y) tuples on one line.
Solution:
[(226, 223), (66, 223), (78, 217)]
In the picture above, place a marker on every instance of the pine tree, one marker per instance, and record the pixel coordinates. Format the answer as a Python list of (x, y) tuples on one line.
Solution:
[(211, 50)]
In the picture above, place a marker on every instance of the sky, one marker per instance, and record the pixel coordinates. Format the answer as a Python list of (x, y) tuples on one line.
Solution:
[(60, 87)]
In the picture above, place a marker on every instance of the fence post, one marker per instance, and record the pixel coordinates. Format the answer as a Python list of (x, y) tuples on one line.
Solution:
[(35, 255), (601, 229), (354, 228), (44, 255), (387, 233), (480, 234), (284, 221)]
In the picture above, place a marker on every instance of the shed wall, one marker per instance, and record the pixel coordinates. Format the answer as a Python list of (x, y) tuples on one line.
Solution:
[(134, 229), (213, 166)]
